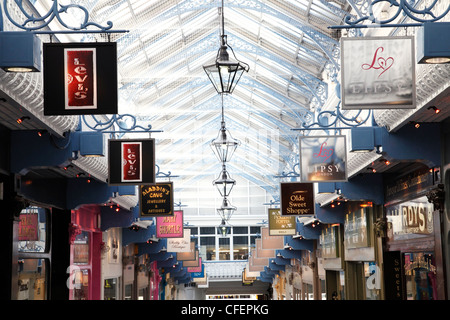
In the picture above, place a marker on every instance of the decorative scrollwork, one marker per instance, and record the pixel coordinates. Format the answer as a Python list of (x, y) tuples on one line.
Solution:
[(117, 124), (403, 6), (32, 23), (323, 118)]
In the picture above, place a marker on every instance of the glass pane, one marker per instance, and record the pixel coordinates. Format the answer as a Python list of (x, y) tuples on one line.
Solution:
[(128, 291), (80, 284), (32, 279), (240, 230), (208, 247), (420, 273), (224, 248), (81, 248), (207, 230), (32, 230), (240, 248), (110, 292), (255, 230)]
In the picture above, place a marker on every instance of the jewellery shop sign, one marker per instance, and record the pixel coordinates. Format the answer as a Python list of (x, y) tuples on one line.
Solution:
[(156, 200)]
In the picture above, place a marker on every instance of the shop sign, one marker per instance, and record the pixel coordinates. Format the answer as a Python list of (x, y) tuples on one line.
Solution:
[(29, 227), (131, 162), (392, 275), (263, 253), (410, 217), (409, 186), (198, 272), (170, 226), (281, 225), (297, 199), (270, 242), (192, 263), (189, 255), (180, 244), (323, 158), (355, 230), (80, 78), (329, 242), (156, 200), (378, 73)]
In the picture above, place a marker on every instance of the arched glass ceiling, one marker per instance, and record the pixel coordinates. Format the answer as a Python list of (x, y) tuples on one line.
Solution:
[(287, 45)]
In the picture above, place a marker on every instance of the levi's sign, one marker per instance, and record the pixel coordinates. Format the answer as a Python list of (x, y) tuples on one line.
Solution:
[(131, 162), (80, 78)]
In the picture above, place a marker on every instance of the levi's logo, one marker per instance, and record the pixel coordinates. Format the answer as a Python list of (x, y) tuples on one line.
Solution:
[(80, 75)]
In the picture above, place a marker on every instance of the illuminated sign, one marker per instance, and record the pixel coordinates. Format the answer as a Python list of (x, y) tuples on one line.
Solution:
[(131, 162), (156, 200), (297, 199), (80, 78)]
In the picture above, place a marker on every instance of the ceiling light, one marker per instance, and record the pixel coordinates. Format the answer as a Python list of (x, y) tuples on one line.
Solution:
[(224, 183), (436, 110), (226, 210), (225, 72)]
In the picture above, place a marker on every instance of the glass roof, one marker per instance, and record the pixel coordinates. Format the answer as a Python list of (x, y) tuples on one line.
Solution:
[(287, 45)]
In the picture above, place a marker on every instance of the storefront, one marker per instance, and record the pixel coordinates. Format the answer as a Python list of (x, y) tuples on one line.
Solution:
[(112, 264), (362, 253), (413, 236), (333, 261), (85, 254)]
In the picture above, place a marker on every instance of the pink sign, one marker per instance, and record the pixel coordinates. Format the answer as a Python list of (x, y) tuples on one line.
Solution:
[(170, 226), (28, 227), (196, 269)]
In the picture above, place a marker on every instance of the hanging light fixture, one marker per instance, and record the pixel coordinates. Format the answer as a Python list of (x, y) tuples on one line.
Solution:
[(226, 210), (224, 183), (225, 72), (224, 145), (223, 229)]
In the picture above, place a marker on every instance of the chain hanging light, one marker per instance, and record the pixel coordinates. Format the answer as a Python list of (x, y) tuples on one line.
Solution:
[(224, 183), (226, 210), (224, 145), (225, 72)]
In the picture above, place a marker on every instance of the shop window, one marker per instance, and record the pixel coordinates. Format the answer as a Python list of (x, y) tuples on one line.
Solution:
[(224, 249), (420, 273), (372, 278), (110, 289), (33, 230), (33, 254), (81, 249), (240, 247), (32, 280), (207, 230), (240, 230), (208, 245), (128, 292), (80, 284)]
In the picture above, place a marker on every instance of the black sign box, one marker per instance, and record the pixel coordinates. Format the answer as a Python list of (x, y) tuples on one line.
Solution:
[(156, 200), (131, 162), (297, 199), (80, 78)]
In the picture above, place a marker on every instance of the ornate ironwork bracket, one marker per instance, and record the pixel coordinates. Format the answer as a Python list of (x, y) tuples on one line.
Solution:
[(323, 117), (160, 174), (117, 124), (292, 174), (33, 23), (403, 6)]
